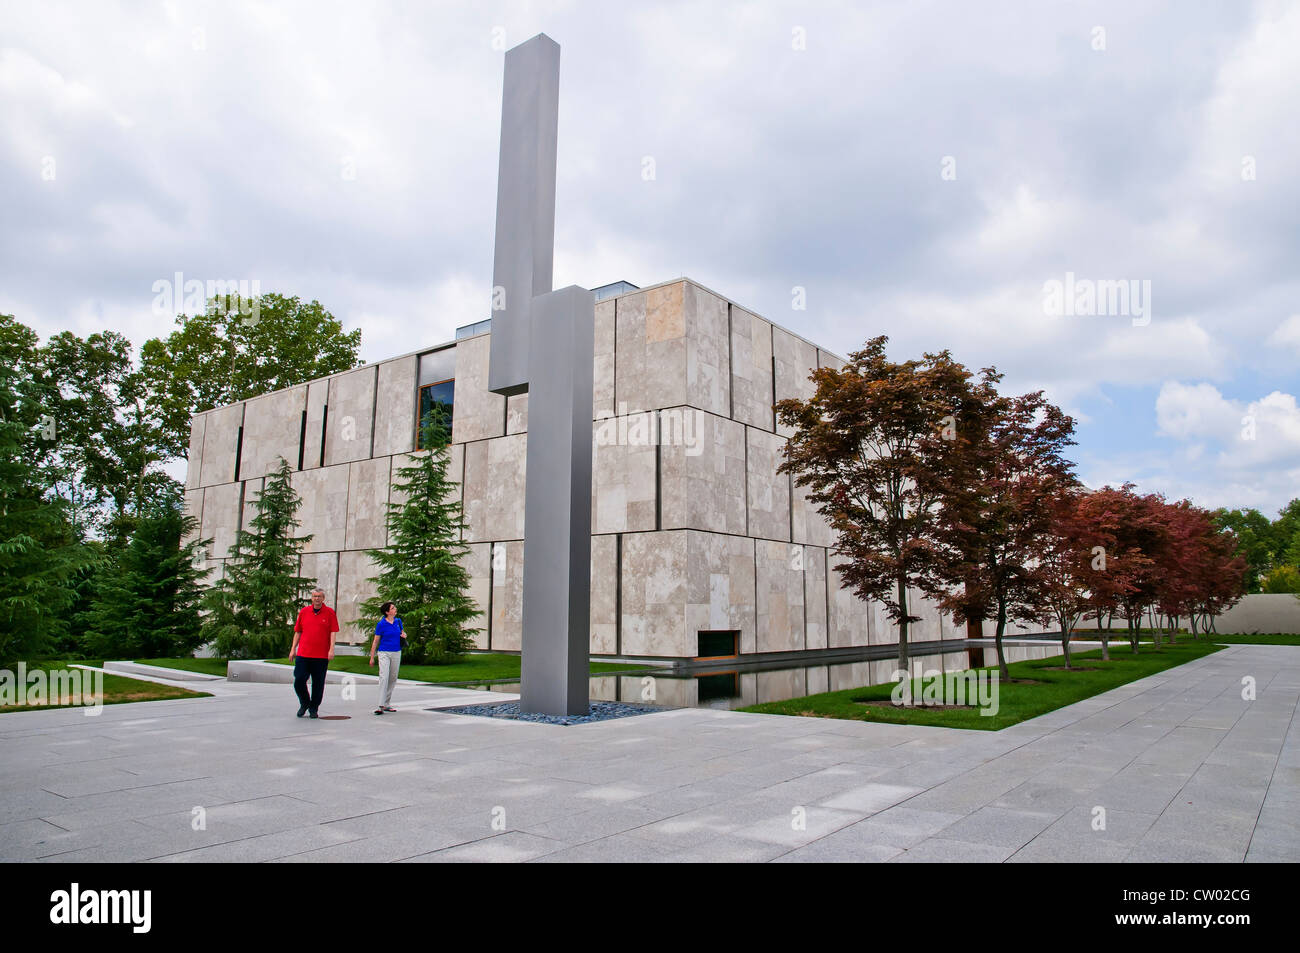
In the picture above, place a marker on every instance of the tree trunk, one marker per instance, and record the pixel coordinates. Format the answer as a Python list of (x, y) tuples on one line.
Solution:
[(1105, 645), (1134, 626), (904, 663), (1002, 625), (1065, 637)]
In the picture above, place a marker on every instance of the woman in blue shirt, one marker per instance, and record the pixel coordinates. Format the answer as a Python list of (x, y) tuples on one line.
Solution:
[(388, 643)]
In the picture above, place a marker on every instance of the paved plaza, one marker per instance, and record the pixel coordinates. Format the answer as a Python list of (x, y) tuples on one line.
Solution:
[(1183, 767)]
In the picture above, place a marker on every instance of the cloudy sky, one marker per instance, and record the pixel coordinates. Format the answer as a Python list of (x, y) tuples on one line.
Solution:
[(921, 170)]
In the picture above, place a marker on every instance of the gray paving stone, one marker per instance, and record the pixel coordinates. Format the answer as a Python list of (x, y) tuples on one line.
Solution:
[(1185, 769)]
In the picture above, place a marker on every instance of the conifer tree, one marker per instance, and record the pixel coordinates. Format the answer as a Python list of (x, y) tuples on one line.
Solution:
[(40, 555), (251, 610), (148, 603), (421, 569)]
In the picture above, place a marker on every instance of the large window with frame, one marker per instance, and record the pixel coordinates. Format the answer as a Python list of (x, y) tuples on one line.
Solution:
[(437, 389)]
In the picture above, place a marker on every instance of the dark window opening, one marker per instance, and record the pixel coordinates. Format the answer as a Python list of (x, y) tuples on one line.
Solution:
[(717, 644), (324, 428), (302, 438), (436, 400), (239, 451)]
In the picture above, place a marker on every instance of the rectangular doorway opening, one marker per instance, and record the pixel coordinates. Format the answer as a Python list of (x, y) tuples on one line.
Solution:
[(717, 643)]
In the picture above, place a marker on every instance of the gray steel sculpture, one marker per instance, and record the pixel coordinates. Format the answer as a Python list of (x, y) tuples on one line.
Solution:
[(542, 345)]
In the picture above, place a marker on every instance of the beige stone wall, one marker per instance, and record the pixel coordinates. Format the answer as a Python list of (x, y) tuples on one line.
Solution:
[(693, 528)]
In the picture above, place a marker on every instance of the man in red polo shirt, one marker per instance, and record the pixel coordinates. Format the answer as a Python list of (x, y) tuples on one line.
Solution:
[(312, 649)]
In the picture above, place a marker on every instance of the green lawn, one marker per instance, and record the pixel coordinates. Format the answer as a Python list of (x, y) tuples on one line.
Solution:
[(1016, 702), (204, 666), (118, 689), (472, 668), (1238, 638)]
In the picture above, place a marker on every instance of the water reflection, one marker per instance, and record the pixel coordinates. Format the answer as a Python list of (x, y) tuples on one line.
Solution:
[(754, 684)]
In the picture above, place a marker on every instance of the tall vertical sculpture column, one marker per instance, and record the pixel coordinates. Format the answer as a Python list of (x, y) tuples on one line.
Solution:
[(542, 345)]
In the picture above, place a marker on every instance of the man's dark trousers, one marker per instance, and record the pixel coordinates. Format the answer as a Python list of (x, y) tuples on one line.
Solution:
[(316, 668)]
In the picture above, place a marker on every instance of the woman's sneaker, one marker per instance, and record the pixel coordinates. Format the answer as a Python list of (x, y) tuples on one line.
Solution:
[(379, 711)]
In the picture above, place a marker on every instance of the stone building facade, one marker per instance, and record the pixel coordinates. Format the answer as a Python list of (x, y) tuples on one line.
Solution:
[(699, 547)]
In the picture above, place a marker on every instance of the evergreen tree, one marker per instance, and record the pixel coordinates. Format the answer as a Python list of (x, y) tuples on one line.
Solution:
[(421, 569), (40, 555), (251, 610), (148, 605)]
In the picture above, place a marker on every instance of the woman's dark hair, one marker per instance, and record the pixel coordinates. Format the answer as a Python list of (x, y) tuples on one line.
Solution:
[(383, 610)]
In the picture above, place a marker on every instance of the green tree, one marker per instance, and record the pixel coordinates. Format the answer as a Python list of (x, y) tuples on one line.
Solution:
[(236, 350), (1254, 541), (421, 569), (148, 605), (106, 444), (251, 609), (40, 555)]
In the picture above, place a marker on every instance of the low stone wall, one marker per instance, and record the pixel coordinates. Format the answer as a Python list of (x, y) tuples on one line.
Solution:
[(1257, 612)]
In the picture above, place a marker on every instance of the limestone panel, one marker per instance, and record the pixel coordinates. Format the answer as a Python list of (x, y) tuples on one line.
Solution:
[(517, 414), (368, 482), (720, 587), (654, 595), (623, 474), (478, 413), (508, 597), (814, 587), (795, 360), (848, 623), (349, 431), (455, 472), (194, 459), (323, 569), (708, 366), (652, 345), (252, 491), (478, 563), (395, 412), (807, 522), (317, 395), (220, 518), (272, 430), (194, 508), (780, 596), (602, 383), (323, 513), (884, 630), (702, 471), (604, 595), (220, 439), (768, 491), (355, 569), (850, 675), (751, 369), (827, 359), (494, 488)]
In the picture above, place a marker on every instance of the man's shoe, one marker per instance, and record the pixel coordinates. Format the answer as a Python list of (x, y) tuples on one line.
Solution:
[(386, 708), (379, 711), (302, 710), (313, 713)]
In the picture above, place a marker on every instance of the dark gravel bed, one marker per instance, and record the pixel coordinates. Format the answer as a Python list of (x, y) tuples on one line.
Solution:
[(600, 711)]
